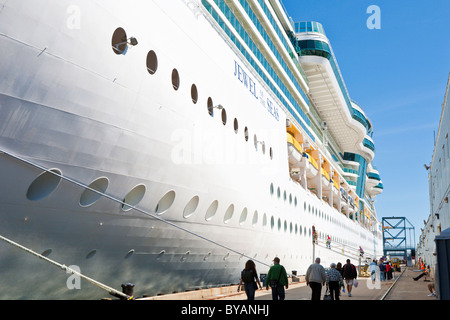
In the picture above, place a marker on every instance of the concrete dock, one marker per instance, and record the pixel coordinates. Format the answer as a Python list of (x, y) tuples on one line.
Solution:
[(401, 287)]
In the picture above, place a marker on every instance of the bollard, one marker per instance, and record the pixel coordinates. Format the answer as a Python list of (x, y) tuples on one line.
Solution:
[(128, 289)]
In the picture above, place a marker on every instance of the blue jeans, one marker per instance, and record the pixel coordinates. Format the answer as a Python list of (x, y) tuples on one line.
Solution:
[(382, 276), (250, 289), (278, 293)]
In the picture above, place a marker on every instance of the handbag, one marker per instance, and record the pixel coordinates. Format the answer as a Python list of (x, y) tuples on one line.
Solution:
[(274, 283), (327, 296)]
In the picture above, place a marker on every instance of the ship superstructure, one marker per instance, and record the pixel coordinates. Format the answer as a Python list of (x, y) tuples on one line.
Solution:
[(164, 143)]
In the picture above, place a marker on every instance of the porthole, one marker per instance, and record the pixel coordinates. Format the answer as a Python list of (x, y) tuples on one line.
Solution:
[(284, 196), (191, 206), (246, 134), (211, 212), (88, 197), (255, 141), (175, 79), (228, 214), (165, 203), (224, 116), (264, 223), (152, 62), (236, 125), (271, 189), (133, 197), (44, 185), (290, 198), (279, 224), (278, 193), (194, 93), (272, 222), (271, 153), (243, 217), (119, 41), (255, 219), (210, 107)]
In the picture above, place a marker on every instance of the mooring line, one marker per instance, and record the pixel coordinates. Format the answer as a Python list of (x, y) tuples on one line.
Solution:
[(130, 206), (110, 290)]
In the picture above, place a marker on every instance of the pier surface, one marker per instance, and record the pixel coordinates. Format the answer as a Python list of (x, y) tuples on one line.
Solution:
[(400, 287)]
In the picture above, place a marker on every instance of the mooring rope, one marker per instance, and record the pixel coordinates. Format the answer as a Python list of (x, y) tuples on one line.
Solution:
[(112, 291), (130, 206), (122, 203)]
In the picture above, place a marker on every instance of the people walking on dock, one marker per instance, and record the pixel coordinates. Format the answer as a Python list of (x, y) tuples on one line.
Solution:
[(389, 271), (350, 276), (277, 279), (328, 242), (334, 281), (382, 271), (315, 278), (249, 277), (373, 269)]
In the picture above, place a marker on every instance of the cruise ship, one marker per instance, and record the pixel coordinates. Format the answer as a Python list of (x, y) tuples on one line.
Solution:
[(164, 143)]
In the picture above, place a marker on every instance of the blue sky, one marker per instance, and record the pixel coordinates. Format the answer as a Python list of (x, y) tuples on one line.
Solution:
[(398, 74)]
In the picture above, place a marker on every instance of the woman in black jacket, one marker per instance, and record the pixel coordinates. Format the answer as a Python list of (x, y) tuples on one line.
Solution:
[(248, 277)]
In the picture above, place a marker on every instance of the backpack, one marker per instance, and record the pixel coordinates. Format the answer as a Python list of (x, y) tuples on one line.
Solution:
[(247, 276), (349, 273)]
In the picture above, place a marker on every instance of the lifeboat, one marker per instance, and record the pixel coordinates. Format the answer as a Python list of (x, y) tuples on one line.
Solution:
[(336, 186), (327, 181), (312, 168), (295, 151), (325, 178)]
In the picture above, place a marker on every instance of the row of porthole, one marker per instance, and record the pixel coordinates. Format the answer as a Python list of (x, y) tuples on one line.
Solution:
[(48, 181), (310, 208), (272, 192), (152, 67)]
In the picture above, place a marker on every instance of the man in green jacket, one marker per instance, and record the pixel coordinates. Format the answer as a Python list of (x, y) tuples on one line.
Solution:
[(277, 279)]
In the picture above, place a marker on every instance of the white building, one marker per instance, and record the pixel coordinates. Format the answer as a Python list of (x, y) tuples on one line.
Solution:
[(439, 186)]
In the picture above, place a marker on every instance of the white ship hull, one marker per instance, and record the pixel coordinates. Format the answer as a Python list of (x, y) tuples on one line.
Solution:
[(69, 103)]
